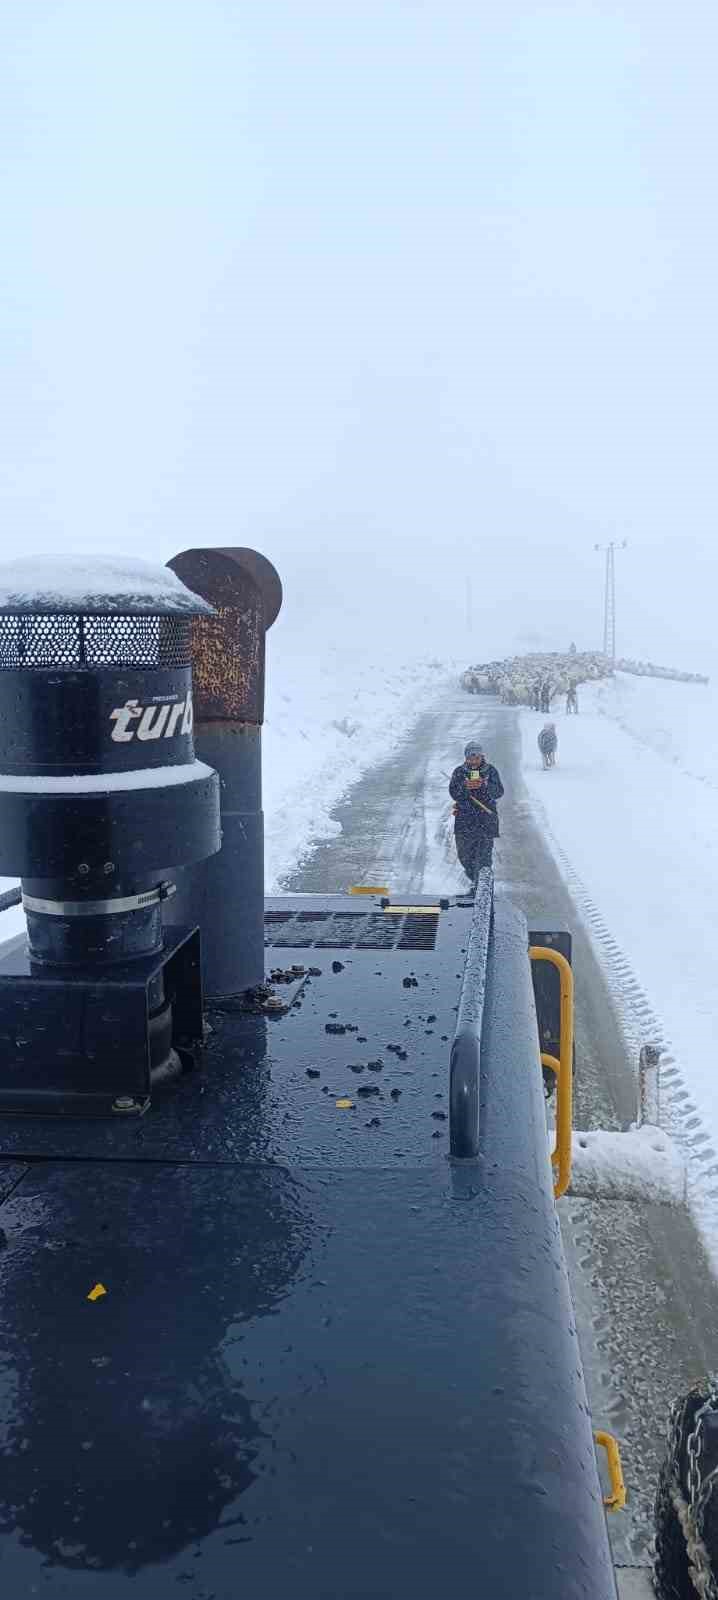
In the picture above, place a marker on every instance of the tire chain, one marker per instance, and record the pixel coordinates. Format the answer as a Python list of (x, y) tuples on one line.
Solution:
[(693, 1571)]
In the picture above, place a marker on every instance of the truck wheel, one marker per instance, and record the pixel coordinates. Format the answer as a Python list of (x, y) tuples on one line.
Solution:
[(686, 1513), (671, 1573)]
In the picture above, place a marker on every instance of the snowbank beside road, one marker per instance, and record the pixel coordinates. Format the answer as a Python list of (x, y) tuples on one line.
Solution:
[(631, 812), (328, 720), (678, 721)]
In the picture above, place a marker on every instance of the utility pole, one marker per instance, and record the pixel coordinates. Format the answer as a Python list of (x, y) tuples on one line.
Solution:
[(609, 599), (609, 606)]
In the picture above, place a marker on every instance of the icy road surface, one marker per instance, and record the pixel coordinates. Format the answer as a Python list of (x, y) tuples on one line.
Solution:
[(646, 1302)]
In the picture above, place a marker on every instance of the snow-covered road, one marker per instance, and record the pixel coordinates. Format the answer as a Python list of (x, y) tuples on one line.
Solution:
[(646, 1304)]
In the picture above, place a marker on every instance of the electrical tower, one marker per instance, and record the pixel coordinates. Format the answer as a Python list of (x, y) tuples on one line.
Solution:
[(609, 599)]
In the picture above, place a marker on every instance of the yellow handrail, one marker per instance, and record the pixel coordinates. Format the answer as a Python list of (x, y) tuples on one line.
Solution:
[(616, 1500), (563, 1067), (555, 1067)]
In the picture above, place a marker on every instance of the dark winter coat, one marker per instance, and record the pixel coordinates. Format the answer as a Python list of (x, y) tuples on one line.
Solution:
[(476, 809), (547, 741)]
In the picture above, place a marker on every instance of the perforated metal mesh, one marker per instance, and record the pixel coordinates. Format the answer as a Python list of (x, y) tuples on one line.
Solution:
[(94, 641), (350, 930)]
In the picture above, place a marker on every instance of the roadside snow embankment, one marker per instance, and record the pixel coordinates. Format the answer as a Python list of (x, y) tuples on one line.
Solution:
[(328, 720), (631, 812)]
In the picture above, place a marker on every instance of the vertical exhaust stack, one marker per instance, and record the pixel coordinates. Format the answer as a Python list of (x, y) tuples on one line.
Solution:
[(225, 896)]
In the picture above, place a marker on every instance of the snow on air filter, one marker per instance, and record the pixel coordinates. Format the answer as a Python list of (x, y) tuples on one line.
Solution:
[(101, 798)]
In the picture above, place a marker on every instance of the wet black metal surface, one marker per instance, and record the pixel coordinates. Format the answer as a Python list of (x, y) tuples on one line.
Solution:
[(262, 1411), (11, 1173), (224, 897), (58, 720), (324, 1351), (55, 833), (73, 1041), (252, 1099)]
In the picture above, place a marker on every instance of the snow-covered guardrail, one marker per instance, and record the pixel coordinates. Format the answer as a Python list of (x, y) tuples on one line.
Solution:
[(640, 1164), (648, 669)]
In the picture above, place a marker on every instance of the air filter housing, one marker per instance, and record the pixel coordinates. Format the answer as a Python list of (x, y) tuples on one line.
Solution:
[(99, 786)]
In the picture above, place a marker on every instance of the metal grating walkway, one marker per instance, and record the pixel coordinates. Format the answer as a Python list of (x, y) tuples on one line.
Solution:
[(350, 930)]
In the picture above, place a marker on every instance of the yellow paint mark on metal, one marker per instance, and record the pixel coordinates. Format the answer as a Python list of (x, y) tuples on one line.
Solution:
[(344, 1105), (563, 1067), (412, 911), (616, 1500), (97, 1292), (367, 888)]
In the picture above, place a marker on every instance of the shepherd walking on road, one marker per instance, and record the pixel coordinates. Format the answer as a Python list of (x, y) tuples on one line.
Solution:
[(475, 788)]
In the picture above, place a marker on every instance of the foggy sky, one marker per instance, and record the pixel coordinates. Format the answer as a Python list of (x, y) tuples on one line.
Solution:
[(397, 292)]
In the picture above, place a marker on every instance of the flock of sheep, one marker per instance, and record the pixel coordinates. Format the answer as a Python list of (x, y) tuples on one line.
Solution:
[(517, 679)]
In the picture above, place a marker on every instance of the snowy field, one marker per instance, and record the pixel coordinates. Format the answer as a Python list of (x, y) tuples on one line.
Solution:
[(631, 814)]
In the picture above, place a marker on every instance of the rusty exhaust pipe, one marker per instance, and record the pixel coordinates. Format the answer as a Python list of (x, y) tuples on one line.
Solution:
[(225, 896)]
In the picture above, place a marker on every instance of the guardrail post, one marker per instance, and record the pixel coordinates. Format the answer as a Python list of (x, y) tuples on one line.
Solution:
[(649, 1098)]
